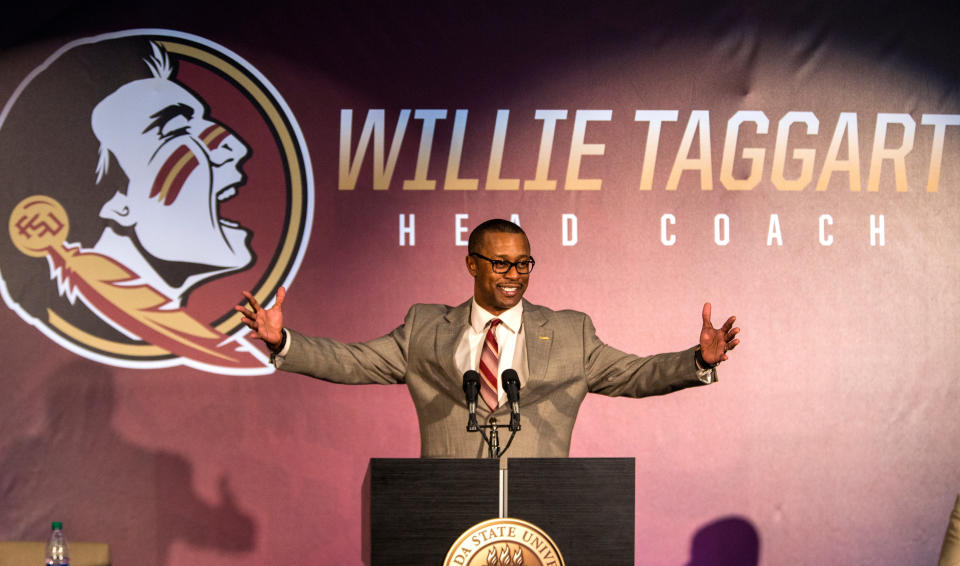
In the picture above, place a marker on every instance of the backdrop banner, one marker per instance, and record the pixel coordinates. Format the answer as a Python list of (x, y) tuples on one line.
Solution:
[(796, 167)]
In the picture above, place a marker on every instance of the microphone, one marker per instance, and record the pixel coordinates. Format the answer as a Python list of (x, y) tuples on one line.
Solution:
[(511, 384), (471, 388)]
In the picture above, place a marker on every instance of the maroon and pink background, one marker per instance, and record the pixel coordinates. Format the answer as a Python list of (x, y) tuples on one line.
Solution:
[(833, 435)]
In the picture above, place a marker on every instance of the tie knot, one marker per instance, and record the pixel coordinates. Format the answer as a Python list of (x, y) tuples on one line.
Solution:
[(494, 322)]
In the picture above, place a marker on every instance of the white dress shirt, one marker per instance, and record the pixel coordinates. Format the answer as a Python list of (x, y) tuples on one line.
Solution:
[(513, 353)]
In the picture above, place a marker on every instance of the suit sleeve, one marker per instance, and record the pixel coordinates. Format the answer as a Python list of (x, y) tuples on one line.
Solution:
[(950, 550), (614, 373), (379, 361)]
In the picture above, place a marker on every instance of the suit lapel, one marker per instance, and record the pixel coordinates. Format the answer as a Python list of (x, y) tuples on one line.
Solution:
[(448, 336), (539, 339)]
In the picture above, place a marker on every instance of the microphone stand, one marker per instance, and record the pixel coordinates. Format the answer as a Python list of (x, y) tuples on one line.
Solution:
[(493, 442), (471, 388)]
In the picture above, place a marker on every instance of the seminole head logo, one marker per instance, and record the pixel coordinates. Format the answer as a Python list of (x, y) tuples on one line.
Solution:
[(147, 176)]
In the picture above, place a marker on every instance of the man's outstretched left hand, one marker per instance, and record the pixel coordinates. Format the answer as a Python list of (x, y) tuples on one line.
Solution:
[(716, 342)]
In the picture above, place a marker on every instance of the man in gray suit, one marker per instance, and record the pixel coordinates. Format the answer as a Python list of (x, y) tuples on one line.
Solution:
[(556, 354)]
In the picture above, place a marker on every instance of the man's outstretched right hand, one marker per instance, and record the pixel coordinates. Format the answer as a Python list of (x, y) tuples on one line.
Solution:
[(266, 324)]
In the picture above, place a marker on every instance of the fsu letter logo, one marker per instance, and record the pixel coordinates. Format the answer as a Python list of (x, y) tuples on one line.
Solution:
[(148, 176)]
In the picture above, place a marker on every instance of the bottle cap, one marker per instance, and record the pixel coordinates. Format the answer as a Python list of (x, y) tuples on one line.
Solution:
[(57, 525)]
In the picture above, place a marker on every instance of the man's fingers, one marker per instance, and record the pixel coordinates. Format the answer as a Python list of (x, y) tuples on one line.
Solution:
[(247, 314), (281, 294), (252, 300), (707, 308)]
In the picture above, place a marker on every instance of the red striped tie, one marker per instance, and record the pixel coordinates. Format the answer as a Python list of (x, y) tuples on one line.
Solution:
[(489, 364)]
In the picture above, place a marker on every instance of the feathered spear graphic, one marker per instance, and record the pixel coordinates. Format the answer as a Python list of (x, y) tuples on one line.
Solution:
[(39, 226)]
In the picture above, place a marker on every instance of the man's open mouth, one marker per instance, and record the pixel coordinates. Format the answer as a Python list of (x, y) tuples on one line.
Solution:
[(509, 290)]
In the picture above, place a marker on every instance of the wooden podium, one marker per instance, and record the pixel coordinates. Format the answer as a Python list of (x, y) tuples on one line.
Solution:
[(418, 507)]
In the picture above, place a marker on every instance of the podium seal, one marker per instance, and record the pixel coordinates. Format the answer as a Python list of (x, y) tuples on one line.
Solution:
[(504, 542)]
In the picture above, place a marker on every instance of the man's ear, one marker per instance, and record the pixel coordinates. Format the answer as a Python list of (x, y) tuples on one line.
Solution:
[(117, 209), (471, 265)]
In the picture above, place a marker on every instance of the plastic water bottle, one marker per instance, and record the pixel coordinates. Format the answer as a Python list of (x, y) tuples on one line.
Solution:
[(58, 552)]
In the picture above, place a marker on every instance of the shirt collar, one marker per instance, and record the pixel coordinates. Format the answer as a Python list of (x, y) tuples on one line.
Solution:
[(511, 318)]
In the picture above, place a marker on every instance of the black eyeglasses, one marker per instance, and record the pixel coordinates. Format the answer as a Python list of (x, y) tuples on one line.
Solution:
[(501, 266)]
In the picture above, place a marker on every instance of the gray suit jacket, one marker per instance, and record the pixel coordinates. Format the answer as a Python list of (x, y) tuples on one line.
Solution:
[(565, 361)]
